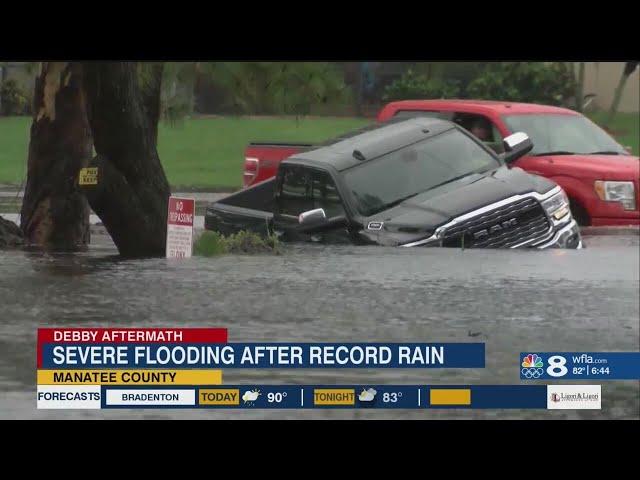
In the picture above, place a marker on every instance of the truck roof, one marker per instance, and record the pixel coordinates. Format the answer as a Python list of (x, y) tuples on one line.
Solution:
[(478, 105), (372, 141)]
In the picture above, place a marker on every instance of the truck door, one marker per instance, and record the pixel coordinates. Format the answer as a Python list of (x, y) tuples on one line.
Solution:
[(301, 189)]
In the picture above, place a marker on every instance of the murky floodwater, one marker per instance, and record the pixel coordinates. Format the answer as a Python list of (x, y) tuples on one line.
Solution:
[(513, 300)]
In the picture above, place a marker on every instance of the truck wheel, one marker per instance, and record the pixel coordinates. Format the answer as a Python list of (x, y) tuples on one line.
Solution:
[(579, 213)]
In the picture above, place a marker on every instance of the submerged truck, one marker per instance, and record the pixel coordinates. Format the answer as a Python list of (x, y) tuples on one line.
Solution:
[(408, 182)]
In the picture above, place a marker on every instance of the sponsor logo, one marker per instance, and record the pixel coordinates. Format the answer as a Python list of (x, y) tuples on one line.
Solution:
[(574, 397)]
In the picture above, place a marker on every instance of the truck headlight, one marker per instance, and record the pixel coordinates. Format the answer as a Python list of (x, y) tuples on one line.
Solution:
[(557, 206), (621, 192)]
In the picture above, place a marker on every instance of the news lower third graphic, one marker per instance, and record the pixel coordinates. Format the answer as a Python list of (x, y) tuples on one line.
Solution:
[(580, 366), (104, 368)]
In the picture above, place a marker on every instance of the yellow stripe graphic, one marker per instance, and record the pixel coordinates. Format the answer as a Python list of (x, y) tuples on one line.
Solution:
[(129, 377), (450, 396)]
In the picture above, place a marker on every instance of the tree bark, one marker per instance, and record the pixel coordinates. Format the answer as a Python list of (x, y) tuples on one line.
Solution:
[(55, 213), (132, 192)]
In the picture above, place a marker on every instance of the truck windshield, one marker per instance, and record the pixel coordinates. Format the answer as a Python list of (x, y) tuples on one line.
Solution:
[(404, 173), (568, 134)]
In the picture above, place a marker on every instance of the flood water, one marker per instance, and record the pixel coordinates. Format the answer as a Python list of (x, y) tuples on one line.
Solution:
[(514, 301)]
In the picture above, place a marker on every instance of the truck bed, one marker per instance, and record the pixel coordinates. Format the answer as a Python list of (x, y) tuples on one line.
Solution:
[(262, 159), (250, 209)]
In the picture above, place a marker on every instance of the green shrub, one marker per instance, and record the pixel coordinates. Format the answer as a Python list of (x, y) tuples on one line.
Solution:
[(416, 86), (213, 243), (532, 82), (209, 244), (268, 88), (14, 99)]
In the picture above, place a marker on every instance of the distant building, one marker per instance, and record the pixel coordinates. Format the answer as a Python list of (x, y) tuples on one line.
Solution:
[(602, 79)]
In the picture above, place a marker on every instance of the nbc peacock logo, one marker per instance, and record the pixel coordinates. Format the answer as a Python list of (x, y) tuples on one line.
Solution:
[(532, 366), (532, 361)]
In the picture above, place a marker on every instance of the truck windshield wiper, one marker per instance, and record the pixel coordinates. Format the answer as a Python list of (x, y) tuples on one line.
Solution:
[(557, 152), (604, 152)]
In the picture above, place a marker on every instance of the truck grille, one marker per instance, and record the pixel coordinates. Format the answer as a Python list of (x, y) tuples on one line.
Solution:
[(522, 221)]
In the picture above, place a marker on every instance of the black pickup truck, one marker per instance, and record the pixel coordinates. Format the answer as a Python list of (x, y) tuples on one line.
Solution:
[(417, 182)]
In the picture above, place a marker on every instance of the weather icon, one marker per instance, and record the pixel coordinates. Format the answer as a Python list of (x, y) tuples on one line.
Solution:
[(367, 395), (250, 396)]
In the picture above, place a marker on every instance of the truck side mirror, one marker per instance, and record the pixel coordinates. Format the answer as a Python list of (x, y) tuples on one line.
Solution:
[(312, 217), (316, 221), (516, 145)]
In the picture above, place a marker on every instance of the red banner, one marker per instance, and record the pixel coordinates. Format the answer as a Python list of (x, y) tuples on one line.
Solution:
[(129, 335)]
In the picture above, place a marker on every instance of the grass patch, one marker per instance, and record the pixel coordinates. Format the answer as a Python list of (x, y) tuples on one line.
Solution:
[(209, 152), (14, 148), (210, 244)]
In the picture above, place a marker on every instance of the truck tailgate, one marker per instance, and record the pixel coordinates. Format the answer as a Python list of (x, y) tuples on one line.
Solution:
[(227, 220)]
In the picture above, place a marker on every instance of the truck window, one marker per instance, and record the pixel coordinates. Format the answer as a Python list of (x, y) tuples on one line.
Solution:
[(423, 113), (481, 127), (571, 133), (304, 189)]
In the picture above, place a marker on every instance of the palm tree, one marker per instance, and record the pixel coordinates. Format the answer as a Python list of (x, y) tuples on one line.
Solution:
[(629, 68), (3, 77)]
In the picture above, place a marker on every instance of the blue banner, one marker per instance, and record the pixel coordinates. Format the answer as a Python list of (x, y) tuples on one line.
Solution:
[(329, 397), (580, 366), (264, 355)]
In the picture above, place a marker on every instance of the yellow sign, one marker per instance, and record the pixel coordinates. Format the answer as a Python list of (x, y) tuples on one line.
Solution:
[(129, 377), (450, 396), (88, 176), (219, 396), (334, 396)]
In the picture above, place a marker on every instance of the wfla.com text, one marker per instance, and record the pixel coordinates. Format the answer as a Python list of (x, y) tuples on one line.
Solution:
[(587, 359)]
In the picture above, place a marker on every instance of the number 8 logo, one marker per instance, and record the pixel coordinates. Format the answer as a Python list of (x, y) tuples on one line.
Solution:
[(556, 366)]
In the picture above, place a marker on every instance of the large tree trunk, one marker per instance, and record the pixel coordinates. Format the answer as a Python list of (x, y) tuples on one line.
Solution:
[(132, 192), (55, 213)]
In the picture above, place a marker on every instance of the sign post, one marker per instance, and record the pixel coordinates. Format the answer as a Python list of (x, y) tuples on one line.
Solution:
[(180, 227)]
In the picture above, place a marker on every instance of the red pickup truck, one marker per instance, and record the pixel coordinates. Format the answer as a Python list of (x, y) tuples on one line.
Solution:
[(600, 177)]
